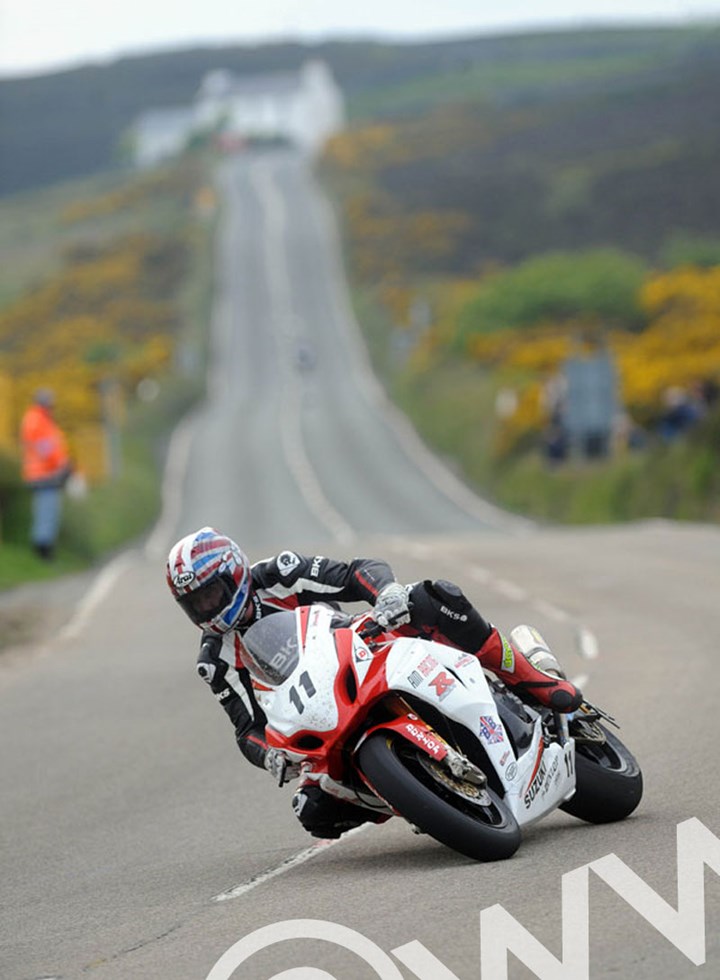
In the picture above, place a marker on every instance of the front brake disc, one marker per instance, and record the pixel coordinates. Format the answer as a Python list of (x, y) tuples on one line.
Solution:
[(461, 787)]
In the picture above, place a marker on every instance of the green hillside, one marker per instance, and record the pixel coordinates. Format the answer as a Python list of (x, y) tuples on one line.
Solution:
[(70, 123), (525, 194), (558, 200)]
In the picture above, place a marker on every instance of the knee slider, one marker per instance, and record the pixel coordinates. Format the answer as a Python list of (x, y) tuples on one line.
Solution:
[(449, 595)]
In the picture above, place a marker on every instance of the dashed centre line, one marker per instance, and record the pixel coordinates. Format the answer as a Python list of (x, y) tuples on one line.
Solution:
[(587, 643), (287, 865)]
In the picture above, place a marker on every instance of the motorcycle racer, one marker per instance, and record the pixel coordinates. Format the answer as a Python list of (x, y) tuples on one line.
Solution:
[(213, 582)]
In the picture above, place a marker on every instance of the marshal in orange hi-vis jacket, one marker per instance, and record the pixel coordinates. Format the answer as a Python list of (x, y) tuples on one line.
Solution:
[(44, 447), (45, 468)]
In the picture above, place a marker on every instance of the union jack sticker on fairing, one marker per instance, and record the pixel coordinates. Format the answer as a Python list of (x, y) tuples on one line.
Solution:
[(491, 730)]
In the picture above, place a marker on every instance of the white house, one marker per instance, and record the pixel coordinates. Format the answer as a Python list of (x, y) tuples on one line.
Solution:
[(305, 107)]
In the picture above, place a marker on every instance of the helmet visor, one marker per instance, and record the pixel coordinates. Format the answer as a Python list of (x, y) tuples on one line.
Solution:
[(208, 601)]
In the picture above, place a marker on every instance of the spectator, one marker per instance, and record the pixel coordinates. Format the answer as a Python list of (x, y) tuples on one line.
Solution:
[(681, 413), (555, 442), (705, 395), (45, 469), (710, 391), (627, 434)]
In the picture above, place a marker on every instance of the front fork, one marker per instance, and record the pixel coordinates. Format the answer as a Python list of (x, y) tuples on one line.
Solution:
[(562, 727)]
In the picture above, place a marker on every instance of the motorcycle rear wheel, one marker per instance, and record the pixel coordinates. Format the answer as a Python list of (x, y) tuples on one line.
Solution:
[(609, 782), (484, 830)]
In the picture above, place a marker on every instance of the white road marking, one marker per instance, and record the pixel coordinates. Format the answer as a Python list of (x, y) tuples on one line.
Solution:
[(101, 586), (437, 472), (588, 644), (510, 590), (418, 551), (292, 862), (551, 611), (159, 542), (483, 575), (283, 321)]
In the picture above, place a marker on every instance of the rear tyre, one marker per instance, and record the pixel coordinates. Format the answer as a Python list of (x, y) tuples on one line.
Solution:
[(480, 827), (609, 781)]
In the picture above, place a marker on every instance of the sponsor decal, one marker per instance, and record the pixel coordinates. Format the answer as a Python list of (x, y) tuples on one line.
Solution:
[(360, 652), (427, 665), (504, 757), (552, 771), (222, 695), (183, 579), (466, 659), (287, 562), (206, 671), (508, 657), (284, 656), (536, 785), (443, 684), (315, 567), (415, 679), (431, 744), (451, 614), (511, 771), (491, 730)]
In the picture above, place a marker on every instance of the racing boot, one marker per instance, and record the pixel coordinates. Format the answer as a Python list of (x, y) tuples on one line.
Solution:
[(534, 675)]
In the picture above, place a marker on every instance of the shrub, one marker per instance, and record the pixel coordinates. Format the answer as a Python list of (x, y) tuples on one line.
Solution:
[(601, 286)]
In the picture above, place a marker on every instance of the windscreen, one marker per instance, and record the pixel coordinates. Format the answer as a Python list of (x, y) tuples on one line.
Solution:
[(272, 648)]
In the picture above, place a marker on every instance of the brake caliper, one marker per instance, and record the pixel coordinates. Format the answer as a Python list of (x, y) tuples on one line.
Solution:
[(463, 769)]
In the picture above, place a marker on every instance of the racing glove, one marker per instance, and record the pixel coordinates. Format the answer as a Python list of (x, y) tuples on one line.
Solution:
[(280, 767), (392, 606)]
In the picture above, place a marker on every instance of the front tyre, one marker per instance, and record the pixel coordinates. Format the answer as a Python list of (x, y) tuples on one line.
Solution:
[(609, 782), (473, 822)]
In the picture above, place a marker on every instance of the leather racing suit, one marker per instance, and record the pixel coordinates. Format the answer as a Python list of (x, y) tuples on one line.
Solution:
[(439, 610)]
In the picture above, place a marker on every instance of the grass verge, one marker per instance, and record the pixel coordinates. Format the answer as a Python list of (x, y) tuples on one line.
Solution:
[(452, 406), (118, 510)]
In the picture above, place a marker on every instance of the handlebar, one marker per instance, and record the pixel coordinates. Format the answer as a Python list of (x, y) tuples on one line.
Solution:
[(370, 630)]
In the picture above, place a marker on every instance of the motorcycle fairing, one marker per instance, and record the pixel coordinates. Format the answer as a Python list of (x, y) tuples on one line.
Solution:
[(413, 730), (536, 780), (290, 707), (315, 698)]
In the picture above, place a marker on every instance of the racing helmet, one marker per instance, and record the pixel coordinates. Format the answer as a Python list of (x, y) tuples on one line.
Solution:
[(210, 578)]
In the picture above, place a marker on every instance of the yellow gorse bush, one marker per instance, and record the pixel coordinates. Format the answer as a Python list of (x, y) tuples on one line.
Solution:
[(679, 347), (108, 316), (383, 243), (366, 148), (685, 291), (129, 196), (681, 344)]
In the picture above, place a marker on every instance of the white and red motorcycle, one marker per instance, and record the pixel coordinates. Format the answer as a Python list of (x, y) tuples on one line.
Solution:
[(409, 727)]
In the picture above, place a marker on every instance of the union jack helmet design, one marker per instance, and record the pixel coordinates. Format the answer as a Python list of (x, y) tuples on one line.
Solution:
[(210, 578)]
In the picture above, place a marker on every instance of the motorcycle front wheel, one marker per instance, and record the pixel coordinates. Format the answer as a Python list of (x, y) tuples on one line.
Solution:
[(473, 821), (609, 783)]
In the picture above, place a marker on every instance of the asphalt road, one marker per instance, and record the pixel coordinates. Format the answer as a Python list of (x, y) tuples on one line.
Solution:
[(126, 811)]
